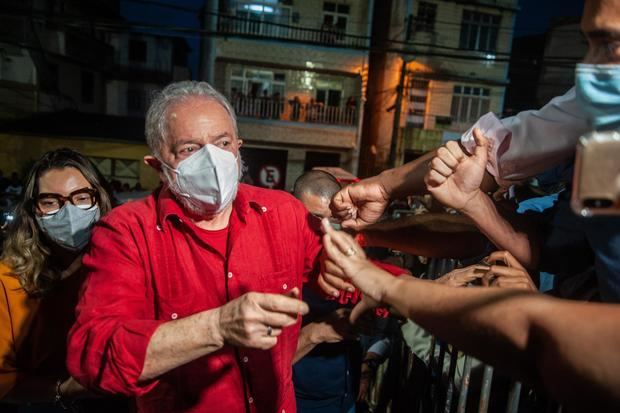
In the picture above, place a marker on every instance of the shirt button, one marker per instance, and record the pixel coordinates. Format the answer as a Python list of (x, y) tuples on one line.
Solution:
[(284, 286), (174, 316), (246, 359), (158, 227), (283, 411), (230, 274), (251, 399), (264, 209)]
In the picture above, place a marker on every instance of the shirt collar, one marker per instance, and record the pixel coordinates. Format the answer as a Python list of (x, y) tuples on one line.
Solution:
[(168, 206)]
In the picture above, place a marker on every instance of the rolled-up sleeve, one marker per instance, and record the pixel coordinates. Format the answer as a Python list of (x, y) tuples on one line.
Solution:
[(540, 139), (115, 316)]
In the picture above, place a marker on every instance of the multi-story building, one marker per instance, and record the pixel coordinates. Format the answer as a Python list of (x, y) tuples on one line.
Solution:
[(50, 60), (96, 81), (142, 63), (293, 72), (458, 71)]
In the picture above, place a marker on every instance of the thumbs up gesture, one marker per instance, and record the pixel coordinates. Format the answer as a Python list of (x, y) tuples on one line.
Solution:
[(454, 177)]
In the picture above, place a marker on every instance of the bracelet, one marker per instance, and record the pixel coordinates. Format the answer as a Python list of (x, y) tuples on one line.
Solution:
[(58, 398)]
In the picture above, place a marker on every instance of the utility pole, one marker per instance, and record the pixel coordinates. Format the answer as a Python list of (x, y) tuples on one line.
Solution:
[(208, 19), (400, 89), (374, 110)]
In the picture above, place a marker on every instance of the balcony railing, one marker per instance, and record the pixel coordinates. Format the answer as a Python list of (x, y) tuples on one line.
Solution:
[(294, 111), (325, 36)]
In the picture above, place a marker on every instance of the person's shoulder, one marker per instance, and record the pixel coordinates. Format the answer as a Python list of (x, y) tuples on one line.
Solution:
[(7, 278), (131, 211)]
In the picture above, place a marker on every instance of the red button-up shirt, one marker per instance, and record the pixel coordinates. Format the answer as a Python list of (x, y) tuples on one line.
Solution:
[(149, 264)]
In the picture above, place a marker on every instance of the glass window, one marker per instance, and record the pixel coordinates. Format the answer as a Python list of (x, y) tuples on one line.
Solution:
[(335, 17), (469, 103), (329, 6), (425, 19), (479, 31)]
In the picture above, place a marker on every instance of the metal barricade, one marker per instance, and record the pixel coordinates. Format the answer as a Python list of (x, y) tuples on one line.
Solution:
[(443, 382)]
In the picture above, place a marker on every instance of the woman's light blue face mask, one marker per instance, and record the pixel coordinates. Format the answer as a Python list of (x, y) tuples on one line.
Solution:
[(598, 91)]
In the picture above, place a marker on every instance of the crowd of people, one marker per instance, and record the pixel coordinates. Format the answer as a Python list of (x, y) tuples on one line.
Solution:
[(213, 295)]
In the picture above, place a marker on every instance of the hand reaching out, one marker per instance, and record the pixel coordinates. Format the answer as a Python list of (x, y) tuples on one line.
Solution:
[(510, 275), (463, 276), (345, 259), (454, 177), (360, 204)]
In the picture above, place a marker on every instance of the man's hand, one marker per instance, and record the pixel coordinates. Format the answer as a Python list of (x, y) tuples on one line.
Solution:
[(331, 280), (463, 276), (70, 389), (509, 275), (255, 320), (345, 259), (454, 178), (360, 204)]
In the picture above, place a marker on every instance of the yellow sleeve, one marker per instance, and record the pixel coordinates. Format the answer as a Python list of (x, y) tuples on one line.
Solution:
[(16, 314)]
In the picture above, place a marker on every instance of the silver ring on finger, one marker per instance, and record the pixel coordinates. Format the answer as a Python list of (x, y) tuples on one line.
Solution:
[(269, 330), (350, 252)]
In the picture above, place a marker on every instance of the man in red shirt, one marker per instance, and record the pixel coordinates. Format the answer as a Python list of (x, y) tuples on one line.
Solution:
[(191, 298)]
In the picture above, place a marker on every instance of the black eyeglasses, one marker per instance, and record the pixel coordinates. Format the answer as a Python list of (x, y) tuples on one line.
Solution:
[(49, 204)]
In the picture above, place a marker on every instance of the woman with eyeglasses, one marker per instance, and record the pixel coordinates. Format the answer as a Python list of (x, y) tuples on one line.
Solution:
[(40, 276)]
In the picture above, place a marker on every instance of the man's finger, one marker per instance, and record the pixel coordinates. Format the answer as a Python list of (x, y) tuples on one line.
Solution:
[(332, 251), (337, 282), (327, 287), (267, 342), (445, 155), (471, 273), (282, 304), (500, 270), (360, 308), (481, 152), (439, 166), (340, 239), (487, 278), (333, 269), (278, 320), (512, 283), (434, 179), (505, 257), (455, 150)]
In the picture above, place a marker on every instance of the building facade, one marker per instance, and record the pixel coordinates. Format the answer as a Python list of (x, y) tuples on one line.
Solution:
[(458, 68), (97, 81), (293, 71)]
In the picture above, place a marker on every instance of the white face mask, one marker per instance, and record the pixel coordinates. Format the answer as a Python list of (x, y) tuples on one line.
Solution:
[(206, 182)]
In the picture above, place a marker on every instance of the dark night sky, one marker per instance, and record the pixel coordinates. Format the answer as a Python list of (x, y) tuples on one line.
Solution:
[(533, 18), (535, 15)]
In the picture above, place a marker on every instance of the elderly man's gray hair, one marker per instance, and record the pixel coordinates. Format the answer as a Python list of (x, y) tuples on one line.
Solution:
[(156, 124)]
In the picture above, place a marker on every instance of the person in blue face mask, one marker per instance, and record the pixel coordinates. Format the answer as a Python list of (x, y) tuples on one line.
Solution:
[(40, 276)]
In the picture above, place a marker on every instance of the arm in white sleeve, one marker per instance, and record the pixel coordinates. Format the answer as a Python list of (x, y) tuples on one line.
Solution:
[(540, 139)]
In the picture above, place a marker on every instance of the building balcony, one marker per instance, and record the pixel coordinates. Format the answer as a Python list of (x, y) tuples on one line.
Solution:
[(254, 28), (293, 111)]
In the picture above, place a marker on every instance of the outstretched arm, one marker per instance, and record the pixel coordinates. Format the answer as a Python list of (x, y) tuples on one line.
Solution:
[(569, 347), (426, 235), (455, 179)]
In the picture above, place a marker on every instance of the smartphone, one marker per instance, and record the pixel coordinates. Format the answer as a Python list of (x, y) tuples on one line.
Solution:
[(596, 183)]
